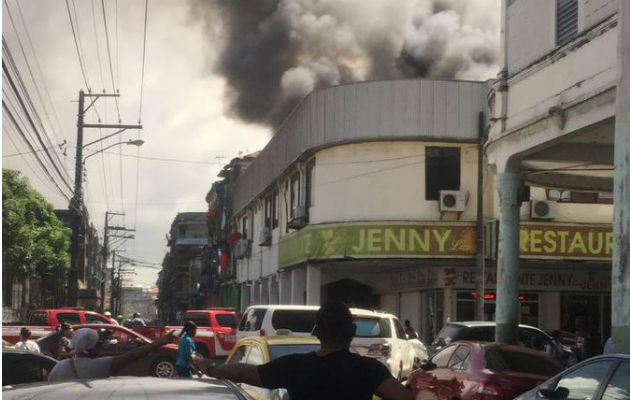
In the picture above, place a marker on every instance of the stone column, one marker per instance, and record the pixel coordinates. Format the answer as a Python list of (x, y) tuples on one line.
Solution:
[(508, 308), (313, 285)]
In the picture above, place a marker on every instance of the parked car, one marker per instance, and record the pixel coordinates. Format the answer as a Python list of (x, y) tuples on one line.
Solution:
[(42, 322), (216, 330), (484, 331), (117, 340), (258, 350), (599, 378), (482, 371), (128, 388), (379, 335), (23, 366)]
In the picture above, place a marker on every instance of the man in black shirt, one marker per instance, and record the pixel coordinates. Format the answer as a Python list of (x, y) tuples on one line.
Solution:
[(330, 373)]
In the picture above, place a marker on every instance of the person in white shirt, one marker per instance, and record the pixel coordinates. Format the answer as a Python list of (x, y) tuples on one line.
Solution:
[(25, 343), (86, 364)]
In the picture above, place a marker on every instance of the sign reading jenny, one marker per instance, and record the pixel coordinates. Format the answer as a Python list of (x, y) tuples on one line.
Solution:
[(378, 240)]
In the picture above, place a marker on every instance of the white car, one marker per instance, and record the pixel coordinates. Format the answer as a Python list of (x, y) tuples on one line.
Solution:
[(378, 335), (382, 336)]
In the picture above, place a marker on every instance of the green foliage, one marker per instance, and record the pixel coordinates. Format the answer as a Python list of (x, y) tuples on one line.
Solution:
[(33, 238)]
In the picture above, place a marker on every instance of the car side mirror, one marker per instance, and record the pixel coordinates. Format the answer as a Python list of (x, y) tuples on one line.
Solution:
[(427, 365), (558, 393)]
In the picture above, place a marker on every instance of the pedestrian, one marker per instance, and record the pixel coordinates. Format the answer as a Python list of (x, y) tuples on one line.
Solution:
[(136, 321), (64, 344), (120, 319), (332, 372), (86, 363), (186, 359), (408, 328), (25, 343), (109, 316)]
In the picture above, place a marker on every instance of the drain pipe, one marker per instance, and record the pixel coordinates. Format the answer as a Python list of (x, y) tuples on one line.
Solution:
[(480, 267)]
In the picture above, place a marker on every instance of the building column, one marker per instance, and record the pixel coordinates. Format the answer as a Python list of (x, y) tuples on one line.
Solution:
[(313, 285), (264, 290), (245, 296), (274, 282), (284, 287), (509, 185), (620, 289), (298, 285)]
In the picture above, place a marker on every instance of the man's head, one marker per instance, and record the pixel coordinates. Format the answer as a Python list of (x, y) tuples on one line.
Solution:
[(86, 341), (136, 315), (333, 324), (25, 333), (407, 323), (66, 330), (190, 328), (107, 314)]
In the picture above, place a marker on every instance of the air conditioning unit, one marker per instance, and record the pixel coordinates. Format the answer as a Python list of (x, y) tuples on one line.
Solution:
[(540, 209), (453, 200), (264, 237), (299, 219)]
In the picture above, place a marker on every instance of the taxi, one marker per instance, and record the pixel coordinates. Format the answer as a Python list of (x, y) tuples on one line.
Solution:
[(256, 350)]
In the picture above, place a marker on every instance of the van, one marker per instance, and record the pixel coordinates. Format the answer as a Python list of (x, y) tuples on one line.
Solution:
[(266, 319)]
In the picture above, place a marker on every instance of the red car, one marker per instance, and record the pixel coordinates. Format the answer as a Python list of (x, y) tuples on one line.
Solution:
[(117, 340), (481, 371)]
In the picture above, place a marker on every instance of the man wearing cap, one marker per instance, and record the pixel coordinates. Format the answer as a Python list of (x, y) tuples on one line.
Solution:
[(331, 373), (137, 321), (85, 364), (109, 315)]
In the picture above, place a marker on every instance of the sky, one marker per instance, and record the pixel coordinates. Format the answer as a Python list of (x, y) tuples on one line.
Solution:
[(218, 76)]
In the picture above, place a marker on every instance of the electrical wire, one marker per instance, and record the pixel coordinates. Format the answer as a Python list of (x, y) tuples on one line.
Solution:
[(76, 45), (109, 57)]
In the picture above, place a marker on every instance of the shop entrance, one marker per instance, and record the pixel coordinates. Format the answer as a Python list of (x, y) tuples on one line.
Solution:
[(351, 292), (594, 309), (433, 315)]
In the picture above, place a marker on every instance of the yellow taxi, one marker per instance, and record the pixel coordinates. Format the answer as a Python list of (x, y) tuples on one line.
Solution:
[(256, 350)]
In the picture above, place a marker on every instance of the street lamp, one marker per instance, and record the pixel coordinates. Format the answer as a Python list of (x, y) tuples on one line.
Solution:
[(138, 142)]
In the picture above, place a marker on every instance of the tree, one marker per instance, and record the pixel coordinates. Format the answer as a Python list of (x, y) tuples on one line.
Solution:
[(34, 242)]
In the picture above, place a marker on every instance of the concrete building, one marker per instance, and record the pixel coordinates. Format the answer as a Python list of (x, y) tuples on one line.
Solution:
[(181, 277), (368, 194), (138, 299), (553, 127)]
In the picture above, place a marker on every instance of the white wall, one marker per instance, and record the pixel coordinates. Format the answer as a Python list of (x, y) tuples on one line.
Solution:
[(382, 181), (592, 12), (531, 32)]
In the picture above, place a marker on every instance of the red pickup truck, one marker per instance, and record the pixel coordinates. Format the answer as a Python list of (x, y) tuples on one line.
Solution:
[(216, 330), (41, 322)]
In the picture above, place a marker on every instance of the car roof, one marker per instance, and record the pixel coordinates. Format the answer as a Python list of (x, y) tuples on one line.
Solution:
[(473, 324), (128, 388), (283, 307), (282, 339), (26, 352)]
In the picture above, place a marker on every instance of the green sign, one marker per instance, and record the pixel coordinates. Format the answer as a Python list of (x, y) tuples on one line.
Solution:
[(378, 240)]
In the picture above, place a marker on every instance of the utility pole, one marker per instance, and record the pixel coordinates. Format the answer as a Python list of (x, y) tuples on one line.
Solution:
[(106, 235), (77, 257)]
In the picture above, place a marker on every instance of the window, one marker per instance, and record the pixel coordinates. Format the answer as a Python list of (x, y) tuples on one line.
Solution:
[(252, 320), (268, 212), (441, 359), (583, 382), (619, 386), (400, 331), (533, 339), (200, 319), (566, 21), (71, 318), (239, 355), (274, 209), (442, 171), (570, 196), (255, 356), (182, 231), (519, 361), (460, 359), (226, 320), (94, 319), (310, 174), (372, 327), (245, 226), (295, 194), (39, 319), (295, 320), (279, 350)]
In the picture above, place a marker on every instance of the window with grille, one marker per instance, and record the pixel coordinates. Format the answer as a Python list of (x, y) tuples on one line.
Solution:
[(566, 21)]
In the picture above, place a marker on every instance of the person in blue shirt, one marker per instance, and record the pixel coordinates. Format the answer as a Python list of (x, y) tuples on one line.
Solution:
[(186, 362)]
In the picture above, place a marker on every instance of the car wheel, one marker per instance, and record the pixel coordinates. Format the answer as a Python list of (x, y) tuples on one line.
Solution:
[(163, 367)]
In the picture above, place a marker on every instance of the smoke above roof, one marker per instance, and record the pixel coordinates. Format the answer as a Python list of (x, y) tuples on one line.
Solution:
[(274, 52)]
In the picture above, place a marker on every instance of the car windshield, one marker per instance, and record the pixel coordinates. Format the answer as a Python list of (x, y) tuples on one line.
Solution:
[(506, 360), (372, 327), (447, 335), (279, 350)]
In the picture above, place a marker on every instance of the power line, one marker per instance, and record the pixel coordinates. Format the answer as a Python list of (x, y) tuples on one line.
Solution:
[(76, 45), (109, 57), (98, 50), (144, 52)]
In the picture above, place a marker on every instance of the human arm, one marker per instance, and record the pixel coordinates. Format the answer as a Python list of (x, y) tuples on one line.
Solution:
[(120, 361), (244, 373), (391, 389)]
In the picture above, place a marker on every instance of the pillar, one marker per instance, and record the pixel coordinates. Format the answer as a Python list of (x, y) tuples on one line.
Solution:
[(298, 285), (313, 285), (507, 313), (273, 289), (620, 289), (284, 287)]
